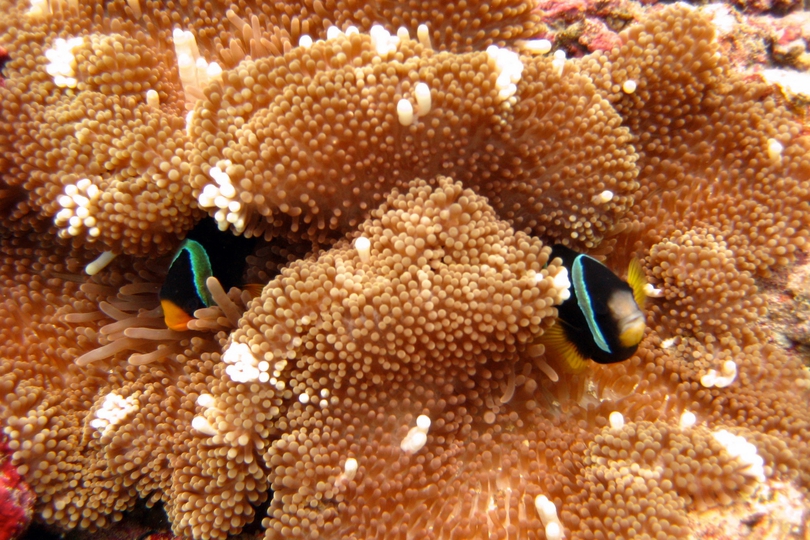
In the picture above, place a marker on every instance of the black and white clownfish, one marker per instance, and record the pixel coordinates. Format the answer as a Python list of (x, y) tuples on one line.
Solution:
[(205, 252), (602, 319)]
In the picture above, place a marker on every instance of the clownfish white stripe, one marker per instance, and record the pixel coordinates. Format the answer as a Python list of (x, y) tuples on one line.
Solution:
[(584, 302)]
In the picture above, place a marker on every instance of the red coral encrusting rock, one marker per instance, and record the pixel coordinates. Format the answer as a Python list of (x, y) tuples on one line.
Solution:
[(16, 498)]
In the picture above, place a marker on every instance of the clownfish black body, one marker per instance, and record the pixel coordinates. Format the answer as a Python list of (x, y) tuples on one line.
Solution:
[(205, 252), (601, 320)]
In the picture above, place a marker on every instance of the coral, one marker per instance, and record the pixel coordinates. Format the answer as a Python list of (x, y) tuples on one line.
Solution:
[(84, 143), (582, 26), (80, 357), (641, 476), (407, 184), (788, 298), (701, 130), (440, 288), (16, 500), (47, 395), (703, 293), (772, 511), (309, 142)]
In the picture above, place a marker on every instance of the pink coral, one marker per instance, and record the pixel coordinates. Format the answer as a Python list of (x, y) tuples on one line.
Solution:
[(16, 499)]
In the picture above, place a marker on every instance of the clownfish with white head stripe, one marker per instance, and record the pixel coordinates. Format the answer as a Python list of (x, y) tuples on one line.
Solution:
[(205, 252), (602, 319)]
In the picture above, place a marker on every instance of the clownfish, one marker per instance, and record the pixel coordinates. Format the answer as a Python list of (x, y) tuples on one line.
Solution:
[(205, 252), (602, 319)]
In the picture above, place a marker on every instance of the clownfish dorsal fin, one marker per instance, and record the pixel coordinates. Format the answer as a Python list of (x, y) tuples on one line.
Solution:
[(560, 348), (174, 316), (254, 289), (637, 281)]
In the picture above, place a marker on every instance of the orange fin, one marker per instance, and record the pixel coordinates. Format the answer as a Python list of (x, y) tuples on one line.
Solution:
[(559, 348), (637, 281), (254, 289), (175, 317)]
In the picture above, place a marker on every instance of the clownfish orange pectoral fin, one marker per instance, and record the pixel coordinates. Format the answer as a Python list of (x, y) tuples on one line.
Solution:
[(559, 348), (637, 281), (175, 317), (254, 289)]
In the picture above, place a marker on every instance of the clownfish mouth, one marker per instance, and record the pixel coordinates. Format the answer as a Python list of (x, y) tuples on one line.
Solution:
[(631, 330), (629, 319)]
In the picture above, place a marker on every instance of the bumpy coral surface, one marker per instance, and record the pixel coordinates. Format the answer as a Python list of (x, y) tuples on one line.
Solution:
[(16, 500), (407, 166), (312, 140)]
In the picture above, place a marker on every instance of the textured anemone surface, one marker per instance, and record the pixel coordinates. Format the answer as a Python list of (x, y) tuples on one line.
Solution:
[(311, 141), (430, 289), (407, 166)]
